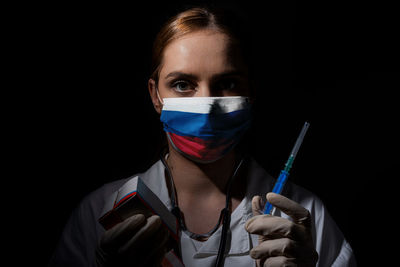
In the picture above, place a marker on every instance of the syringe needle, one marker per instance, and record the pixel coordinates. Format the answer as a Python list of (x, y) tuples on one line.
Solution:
[(299, 139)]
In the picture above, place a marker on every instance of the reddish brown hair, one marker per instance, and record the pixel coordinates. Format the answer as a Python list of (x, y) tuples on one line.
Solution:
[(189, 21)]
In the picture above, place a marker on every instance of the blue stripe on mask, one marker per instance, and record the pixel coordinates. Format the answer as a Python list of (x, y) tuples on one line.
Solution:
[(206, 126)]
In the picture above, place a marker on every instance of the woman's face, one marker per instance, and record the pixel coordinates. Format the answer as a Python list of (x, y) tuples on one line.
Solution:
[(200, 64)]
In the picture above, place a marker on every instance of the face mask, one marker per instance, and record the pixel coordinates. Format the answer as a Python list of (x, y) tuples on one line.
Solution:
[(204, 129)]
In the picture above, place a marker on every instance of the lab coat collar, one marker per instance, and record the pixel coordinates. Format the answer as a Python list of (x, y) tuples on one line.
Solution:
[(154, 178), (258, 182)]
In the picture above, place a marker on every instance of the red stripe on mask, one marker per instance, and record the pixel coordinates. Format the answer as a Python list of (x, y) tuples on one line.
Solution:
[(205, 150)]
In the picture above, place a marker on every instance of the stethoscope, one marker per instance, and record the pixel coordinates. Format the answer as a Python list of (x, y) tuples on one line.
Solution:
[(225, 215)]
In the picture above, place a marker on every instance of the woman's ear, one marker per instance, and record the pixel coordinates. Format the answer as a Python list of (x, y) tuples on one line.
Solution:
[(154, 95)]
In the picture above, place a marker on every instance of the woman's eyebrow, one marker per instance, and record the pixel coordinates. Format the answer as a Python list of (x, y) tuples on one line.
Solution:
[(181, 75), (228, 74), (194, 77)]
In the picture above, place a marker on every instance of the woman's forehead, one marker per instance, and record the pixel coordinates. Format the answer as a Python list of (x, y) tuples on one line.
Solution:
[(201, 51)]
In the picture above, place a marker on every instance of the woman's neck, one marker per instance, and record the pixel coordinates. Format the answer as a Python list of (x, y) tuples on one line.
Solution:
[(191, 178), (201, 189)]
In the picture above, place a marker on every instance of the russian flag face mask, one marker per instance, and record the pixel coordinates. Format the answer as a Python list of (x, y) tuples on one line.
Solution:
[(204, 129)]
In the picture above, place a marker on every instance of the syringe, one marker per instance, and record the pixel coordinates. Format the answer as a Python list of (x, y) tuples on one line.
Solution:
[(283, 176)]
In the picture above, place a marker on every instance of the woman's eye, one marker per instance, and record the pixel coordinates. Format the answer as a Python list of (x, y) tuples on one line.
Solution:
[(182, 86), (227, 85)]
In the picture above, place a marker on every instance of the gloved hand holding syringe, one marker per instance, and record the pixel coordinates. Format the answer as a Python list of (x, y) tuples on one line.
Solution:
[(282, 241)]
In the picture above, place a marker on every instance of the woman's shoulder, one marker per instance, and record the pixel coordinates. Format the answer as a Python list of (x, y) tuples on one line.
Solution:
[(302, 195)]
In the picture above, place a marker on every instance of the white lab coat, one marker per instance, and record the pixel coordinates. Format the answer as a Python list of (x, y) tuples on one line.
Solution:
[(82, 232)]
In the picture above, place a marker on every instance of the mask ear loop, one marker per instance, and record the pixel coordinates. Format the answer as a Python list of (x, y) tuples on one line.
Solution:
[(159, 98)]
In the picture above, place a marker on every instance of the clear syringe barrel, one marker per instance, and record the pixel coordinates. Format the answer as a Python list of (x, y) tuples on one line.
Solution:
[(296, 147)]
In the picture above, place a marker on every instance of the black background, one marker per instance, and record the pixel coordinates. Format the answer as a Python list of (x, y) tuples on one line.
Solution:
[(80, 114)]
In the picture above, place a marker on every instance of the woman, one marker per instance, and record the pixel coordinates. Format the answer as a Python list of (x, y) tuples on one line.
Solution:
[(200, 87)]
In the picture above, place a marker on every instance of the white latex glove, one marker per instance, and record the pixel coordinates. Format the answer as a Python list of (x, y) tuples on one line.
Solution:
[(136, 241), (282, 242)]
